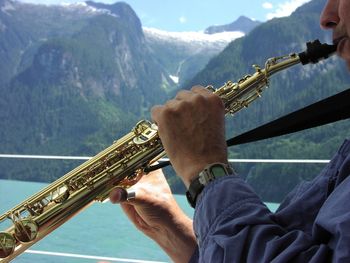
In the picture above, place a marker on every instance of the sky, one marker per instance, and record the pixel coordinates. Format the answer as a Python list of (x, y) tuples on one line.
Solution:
[(197, 15)]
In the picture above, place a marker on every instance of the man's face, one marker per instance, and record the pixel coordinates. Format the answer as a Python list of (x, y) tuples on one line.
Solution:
[(336, 16)]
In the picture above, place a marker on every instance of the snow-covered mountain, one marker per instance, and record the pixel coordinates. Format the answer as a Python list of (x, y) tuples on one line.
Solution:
[(183, 54), (194, 38)]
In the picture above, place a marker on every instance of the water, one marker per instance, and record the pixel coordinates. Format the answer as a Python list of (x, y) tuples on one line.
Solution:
[(102, 230)]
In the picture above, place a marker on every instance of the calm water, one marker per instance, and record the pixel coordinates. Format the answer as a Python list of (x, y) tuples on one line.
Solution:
[(102, 230)]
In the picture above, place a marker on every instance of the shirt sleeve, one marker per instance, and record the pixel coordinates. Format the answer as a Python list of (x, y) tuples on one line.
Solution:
[(233, 225)]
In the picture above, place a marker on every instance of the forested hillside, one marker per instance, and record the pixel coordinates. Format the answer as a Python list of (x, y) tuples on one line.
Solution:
[(75, 79)]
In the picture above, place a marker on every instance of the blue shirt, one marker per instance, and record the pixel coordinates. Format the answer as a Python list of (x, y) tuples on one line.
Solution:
[(311, 225)]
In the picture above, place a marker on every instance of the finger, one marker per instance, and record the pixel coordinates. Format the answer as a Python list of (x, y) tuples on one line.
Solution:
[(130, 211), (201, 90), (134, 216), (172, 104), (118, 195), (212, 97), (161, 113), (183, 94), (155, 112)]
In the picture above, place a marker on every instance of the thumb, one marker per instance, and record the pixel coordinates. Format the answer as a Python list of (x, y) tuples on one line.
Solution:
[(118, 195)]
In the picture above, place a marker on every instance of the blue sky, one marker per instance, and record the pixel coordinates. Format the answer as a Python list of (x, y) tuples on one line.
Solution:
[(196, 15)]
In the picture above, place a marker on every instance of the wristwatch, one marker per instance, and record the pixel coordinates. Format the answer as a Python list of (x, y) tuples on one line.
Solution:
[(210, 173)]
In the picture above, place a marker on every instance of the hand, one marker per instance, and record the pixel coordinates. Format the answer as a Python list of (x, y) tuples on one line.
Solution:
[(155, 212), (192, 130)]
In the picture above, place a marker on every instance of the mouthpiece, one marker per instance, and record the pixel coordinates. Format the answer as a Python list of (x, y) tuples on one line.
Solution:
[(315, 51)]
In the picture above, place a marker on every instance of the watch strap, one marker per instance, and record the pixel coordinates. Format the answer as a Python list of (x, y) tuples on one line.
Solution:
[(204, 177), (194, 191)]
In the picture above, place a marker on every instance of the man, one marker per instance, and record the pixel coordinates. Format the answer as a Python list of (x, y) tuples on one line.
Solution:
[(231, 224)]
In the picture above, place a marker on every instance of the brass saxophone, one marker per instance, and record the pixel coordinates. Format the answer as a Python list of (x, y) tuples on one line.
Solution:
[(123, 163)]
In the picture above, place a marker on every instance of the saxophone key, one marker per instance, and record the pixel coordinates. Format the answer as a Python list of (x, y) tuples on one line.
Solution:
[(7, 244), (60, 195), (26, 230)]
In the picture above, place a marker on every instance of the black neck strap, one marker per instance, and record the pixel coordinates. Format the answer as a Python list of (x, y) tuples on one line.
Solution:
[(331, 109)]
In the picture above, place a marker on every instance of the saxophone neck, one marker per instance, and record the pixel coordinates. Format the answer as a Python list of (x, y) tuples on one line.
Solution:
[(239, 95), (276, 64), (314, 53)]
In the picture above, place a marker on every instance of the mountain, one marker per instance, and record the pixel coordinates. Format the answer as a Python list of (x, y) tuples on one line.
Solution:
[(183, 54), (288, 91), (75, 77), (113, 42), (242, 24)]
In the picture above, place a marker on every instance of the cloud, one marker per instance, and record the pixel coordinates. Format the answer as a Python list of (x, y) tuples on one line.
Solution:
[(286, 8), (182, 19), (267, 5)]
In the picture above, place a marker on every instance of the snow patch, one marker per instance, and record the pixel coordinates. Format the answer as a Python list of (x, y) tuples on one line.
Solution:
[(224, 37), (82, 6), (174, 78)]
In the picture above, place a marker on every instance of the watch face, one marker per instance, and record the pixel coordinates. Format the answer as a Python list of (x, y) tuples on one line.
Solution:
[(218, 171)]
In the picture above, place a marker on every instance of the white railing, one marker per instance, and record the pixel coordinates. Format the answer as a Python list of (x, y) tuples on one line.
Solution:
[(105, 259), (60, 157)]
